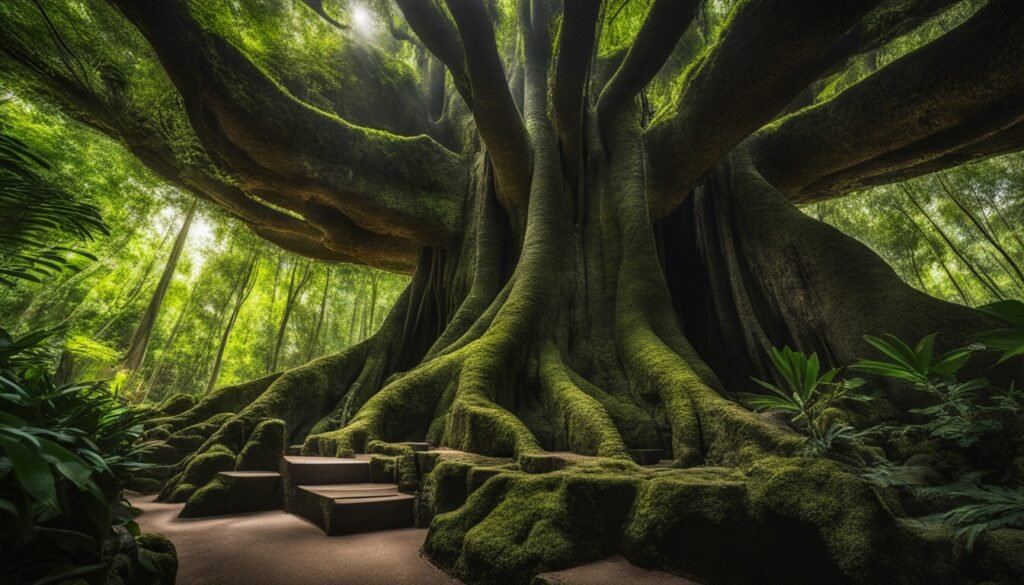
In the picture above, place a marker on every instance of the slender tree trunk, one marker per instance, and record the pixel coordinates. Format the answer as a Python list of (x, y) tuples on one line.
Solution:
[(987, 234), (374, 282), (937, 253), (136, 352), (134, 292), (295, 285), (314, 340), (242, 289), (270, 314), (917, 269), (986, 283), (350, 338), (166, 352)]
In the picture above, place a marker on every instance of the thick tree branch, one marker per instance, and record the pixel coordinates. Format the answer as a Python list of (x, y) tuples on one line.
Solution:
[(883, 24), (958, 98), (193, 171), (495, 112), (769, 52), (572, 70), (409, 188), (666, 22), (437, 33)]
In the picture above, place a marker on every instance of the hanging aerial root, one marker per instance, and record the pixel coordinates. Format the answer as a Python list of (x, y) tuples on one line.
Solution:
[(588, 427)]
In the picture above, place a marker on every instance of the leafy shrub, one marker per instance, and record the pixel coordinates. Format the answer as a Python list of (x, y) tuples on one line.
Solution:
[(66, 452), (808, 393), (951, 461), (967, 419), (1010, 339), (959, 414), (991, 507)]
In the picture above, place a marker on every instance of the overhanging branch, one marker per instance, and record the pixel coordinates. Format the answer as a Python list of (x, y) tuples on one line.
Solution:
[(767, 54), (406, 187), (955, 99)]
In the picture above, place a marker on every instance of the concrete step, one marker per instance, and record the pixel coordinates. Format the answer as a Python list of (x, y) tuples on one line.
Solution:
[(305, 471), (352, 490), (352, 508), (353, 515)]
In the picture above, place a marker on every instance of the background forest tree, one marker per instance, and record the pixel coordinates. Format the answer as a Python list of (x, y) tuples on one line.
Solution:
[(102, 303), (597, 202)]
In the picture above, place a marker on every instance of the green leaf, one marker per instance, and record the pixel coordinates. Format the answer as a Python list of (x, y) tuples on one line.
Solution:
[(68, 464), (32, 471)]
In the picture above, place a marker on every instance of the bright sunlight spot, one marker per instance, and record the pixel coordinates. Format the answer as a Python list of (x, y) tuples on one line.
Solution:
[(362, 19)]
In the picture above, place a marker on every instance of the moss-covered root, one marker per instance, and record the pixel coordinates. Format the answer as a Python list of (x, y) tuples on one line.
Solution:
[(784, 520), (400, 411), (234, 449), (229, 399), (582, 419), (264, 449)]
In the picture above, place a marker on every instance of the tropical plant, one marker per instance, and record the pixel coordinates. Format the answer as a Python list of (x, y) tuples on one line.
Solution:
[(966, 417), (807, 394), (991, 507), (1009, 339), (65, 453), (964, 412), (33, 213)]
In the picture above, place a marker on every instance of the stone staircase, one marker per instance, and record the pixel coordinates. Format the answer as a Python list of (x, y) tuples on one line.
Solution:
[(334, 493)]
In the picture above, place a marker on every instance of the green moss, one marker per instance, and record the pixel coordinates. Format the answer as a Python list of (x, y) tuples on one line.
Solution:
[(161, 555), (200, 470), (516, 525), (404, 461), (232, 495), (176, 404), (383, 469), (265, 447)]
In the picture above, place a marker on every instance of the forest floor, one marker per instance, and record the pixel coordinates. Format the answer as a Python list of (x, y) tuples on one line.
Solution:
[(272, 548)]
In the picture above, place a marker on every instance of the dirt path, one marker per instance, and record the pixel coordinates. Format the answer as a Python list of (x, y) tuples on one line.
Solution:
[(271, 548)]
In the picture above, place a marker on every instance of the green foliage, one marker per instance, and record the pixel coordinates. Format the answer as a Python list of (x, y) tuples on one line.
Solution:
[(67, 451), (960, 414), (808, 393), (942, 470), (967, 214), (101, 305), (1010, 339), (991, 507), (34, 215)]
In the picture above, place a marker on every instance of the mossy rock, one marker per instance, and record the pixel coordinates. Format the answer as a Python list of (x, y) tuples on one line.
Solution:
[(186, 443), (145, 485), (152, 561)]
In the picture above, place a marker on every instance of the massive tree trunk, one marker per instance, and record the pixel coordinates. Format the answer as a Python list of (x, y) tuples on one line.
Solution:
[(603, 285)]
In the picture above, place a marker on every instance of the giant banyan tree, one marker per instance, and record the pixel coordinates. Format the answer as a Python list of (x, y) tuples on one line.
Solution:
[(597, 203)]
